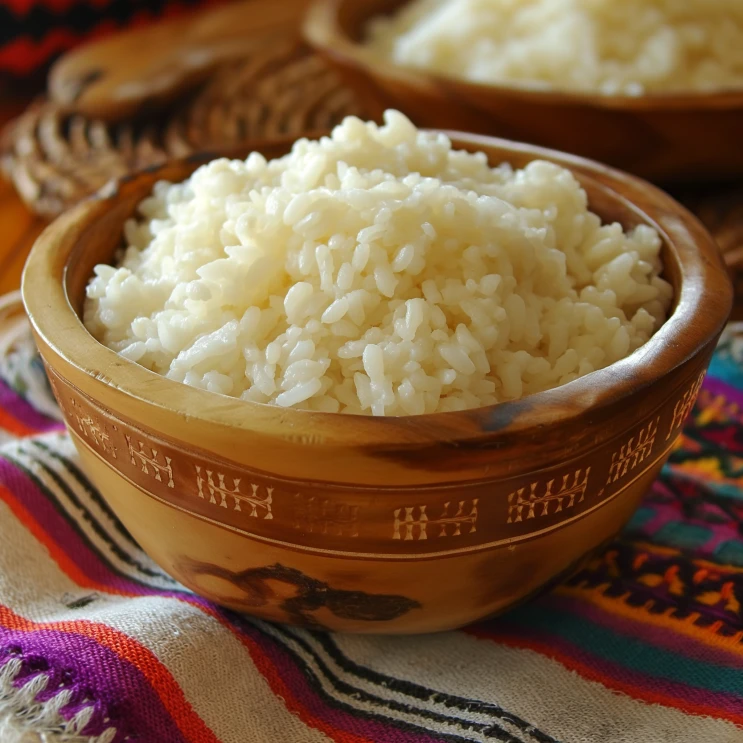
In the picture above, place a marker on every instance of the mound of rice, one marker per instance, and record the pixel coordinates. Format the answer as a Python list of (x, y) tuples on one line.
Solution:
[(610, 46), (377, 271)]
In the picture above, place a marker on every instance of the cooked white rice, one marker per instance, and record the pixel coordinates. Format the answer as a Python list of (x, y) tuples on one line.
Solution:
[(610, 46), (378, 272)]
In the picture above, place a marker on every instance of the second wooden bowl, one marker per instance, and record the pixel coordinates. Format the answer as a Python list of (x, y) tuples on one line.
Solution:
[(353, 523), (674, 137)]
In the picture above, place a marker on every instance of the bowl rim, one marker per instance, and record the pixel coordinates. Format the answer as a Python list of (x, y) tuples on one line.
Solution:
[(322, 30), (701, 309)]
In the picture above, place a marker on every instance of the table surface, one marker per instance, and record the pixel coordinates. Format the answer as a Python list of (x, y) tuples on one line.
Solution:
[(18, 227)]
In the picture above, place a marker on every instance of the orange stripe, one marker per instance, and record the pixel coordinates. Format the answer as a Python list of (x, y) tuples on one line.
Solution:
[(713, 567), (680, 626), (67, 565), (609, 682), (158, 676), (263, 663), (14, 426), (260, 659), (265, 666)]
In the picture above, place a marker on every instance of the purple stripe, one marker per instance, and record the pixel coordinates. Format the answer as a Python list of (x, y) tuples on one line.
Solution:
[(61, 531), (716, 387), (22, 411), (643, 685), (76, 547), (119, 691), (663, 637), (331, 713), (89, 562)]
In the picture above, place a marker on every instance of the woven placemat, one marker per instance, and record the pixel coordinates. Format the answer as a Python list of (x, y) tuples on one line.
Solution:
[(284, 90), (55, 157)]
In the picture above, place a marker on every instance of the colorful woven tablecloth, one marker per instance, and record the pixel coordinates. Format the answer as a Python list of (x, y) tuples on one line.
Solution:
[(98, 644)]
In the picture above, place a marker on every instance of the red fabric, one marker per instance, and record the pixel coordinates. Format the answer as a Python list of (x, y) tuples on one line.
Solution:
[(34, 33)]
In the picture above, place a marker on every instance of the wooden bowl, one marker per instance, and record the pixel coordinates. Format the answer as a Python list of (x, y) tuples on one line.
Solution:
[(663, 137), (354, 523)]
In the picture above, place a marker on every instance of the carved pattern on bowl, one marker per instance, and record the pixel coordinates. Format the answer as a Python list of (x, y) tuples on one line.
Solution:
[(439, 519)]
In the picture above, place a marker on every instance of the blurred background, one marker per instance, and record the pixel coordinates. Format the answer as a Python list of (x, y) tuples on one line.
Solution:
[(33, 33)]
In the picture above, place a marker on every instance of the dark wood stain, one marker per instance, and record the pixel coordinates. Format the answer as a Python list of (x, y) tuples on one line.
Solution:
[(309, 595)]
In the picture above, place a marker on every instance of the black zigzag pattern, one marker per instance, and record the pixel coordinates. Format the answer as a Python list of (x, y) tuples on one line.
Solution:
[(80, 18)]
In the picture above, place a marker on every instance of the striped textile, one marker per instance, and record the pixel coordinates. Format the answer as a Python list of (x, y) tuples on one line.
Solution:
[(98, 644), (33, 32)]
